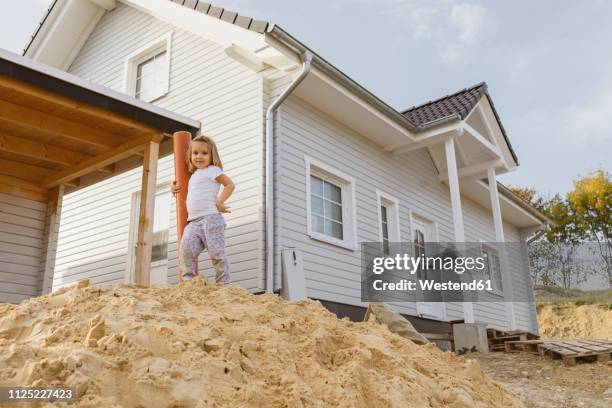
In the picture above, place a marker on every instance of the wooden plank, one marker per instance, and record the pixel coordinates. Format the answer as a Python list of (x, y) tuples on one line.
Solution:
[(23, 171), (64, 101), (42, 151), (104, 159), (37, 120), (144, 245)]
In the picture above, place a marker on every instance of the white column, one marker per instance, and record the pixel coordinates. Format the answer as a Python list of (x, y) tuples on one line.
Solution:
[(54, 210), (502, 250), (453, 183)]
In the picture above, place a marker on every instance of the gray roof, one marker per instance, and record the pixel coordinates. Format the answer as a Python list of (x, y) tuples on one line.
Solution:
[(460, 104), (225, 15)]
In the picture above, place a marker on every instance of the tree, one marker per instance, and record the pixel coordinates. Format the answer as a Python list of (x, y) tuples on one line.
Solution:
[(591, 205)]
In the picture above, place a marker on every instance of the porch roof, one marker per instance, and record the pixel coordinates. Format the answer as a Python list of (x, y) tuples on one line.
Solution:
[(56, 128)]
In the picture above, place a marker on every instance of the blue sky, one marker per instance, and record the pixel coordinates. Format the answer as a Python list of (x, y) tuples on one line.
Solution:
[(548, 64)]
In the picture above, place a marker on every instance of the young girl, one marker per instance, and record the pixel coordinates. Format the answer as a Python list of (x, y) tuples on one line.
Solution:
[(206, 225)]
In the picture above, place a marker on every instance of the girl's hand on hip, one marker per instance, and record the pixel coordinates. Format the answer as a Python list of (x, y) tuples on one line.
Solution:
[(175, 187), (222, 207)]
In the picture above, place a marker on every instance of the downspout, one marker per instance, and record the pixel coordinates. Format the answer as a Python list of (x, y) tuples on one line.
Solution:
[(306, 60)]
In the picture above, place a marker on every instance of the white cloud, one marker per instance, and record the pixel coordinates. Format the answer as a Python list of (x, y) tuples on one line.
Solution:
[(578, 124), (451, 27)]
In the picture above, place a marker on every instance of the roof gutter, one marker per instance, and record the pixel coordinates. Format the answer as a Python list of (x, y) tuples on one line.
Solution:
[(306, 57)]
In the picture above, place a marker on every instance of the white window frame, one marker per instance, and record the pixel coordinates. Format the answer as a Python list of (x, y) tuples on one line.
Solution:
[(163, 43), (488, 248), (393, 219), (347, 186)]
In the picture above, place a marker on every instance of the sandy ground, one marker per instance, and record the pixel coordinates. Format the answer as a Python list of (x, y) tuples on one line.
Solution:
[(544, 383), (567, 320), (202, 345)]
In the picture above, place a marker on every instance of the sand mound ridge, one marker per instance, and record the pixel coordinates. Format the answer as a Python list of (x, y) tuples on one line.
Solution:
[(203, 345), (568, 320)]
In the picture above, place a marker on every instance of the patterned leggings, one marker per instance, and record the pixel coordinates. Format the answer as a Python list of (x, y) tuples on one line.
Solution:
[(204, 232)]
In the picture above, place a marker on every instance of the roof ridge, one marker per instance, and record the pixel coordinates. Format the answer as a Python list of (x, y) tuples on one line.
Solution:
[(479, 85)]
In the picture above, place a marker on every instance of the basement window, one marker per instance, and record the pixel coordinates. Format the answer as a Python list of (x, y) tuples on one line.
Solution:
[(148, 70)]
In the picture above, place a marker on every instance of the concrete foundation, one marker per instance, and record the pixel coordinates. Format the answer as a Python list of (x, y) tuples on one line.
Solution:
[(470, 337)]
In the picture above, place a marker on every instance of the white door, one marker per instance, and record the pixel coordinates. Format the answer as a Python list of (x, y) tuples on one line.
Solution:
[(424, 231), (161, 229)]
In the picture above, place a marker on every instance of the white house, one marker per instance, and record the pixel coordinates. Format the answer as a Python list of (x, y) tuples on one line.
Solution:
[(329, 165)]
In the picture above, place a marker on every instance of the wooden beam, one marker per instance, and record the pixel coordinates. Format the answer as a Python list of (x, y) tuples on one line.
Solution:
[(46, 122), (23, 171), (17, 190), (64, 101), (38, 150), (144, 244), (104, 159), (110, 169)]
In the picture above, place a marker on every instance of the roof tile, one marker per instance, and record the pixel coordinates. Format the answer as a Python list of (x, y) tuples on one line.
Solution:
[(459, 103), (215, 11), (229, 16), (202, 7)]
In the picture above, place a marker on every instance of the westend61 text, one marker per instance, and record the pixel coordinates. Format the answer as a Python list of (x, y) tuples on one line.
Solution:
[(406, 285)]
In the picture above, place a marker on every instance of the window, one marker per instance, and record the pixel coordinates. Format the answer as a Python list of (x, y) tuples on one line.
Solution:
[(148, 70), (152, 77), (492, 269), (326, 206), (388, 220), (161, 227), (330, 205)]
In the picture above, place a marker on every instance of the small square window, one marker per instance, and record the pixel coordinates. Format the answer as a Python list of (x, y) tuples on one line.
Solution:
[(151, 77), (148, 70)]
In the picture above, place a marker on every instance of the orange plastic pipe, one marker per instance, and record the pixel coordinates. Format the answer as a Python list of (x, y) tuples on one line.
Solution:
[(180, 144)]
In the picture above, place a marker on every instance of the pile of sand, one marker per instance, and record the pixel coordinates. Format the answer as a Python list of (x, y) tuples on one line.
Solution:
[(203, 345), (559, 320)]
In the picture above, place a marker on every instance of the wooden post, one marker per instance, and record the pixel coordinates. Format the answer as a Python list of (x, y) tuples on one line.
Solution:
[(180, 144), (502, 250), (145, 219), (54, 206), (455, 195)]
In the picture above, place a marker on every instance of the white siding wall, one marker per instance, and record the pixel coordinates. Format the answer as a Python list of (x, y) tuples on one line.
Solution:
[(333, 273), (205, 85), (22, 228)]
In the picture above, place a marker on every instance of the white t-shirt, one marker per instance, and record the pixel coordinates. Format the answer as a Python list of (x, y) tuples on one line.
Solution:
[(202, 192)]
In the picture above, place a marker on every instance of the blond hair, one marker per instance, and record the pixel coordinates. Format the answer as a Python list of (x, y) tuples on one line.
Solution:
[(212, 150)]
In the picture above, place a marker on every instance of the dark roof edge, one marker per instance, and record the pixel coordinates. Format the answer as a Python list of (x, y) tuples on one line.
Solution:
[(60, 82), (467, 89)]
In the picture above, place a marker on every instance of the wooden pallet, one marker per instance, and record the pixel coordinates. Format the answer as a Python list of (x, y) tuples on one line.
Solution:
[(499, 338), (573, 351), (530, 346)]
